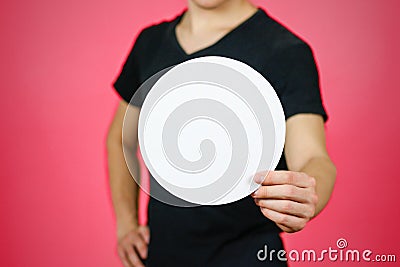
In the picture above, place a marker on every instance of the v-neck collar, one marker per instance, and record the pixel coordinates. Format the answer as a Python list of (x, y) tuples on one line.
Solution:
[(218, 42)]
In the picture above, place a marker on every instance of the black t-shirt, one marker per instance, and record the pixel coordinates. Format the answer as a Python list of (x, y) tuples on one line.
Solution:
[(231, 234)]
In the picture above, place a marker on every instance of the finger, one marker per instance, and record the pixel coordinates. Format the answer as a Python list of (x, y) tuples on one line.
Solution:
[(145, 234), (287, 207), (292, 222), (133, 257), (289, 192), (140, 246), (122, 256), (286, 229), (284, 177)]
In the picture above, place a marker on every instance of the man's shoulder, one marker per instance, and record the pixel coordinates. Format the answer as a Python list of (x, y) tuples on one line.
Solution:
[(278, 36), (158, 29)]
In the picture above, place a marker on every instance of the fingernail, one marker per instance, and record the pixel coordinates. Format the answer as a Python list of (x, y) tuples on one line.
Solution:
[(258, 179)]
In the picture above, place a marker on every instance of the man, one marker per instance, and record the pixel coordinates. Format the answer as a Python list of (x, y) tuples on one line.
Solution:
[(226, 235)]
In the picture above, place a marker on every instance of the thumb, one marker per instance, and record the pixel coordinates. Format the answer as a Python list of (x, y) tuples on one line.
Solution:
[(144, 232)]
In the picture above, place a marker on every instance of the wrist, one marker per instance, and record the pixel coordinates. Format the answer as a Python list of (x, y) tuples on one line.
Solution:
[(125, 226)]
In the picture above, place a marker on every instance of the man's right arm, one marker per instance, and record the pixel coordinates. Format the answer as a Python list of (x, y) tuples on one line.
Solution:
[(132, 239)]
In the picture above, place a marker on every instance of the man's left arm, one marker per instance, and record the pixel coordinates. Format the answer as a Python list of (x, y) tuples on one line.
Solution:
[(291, 198)]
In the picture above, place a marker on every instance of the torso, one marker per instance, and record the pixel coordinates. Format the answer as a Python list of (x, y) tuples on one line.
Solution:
[(227, 235)]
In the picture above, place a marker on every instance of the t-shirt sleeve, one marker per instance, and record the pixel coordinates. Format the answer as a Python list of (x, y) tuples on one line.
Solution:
[(128, 82), (301, 92)]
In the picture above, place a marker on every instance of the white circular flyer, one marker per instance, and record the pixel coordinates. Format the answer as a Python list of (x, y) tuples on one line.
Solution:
[(206, 127)]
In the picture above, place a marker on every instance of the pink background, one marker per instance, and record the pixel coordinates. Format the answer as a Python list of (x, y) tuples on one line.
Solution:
[(58, 59)]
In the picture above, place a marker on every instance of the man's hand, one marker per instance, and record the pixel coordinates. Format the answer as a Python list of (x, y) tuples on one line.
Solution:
[(132, 247), (287, 198)]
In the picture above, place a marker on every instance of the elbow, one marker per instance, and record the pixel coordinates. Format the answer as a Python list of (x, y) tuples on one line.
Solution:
[(113, 140), (333, 170)]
